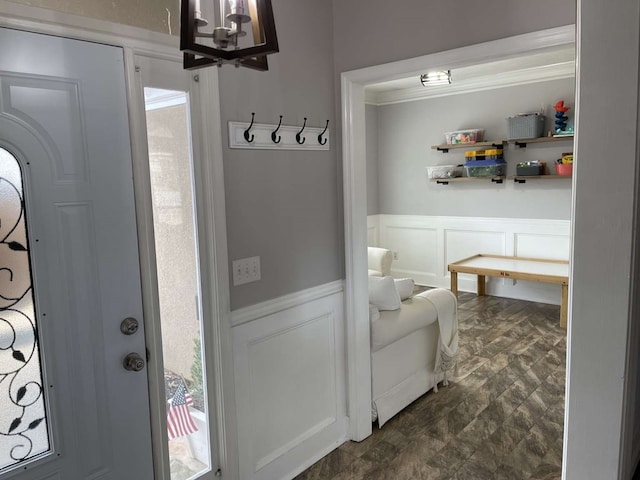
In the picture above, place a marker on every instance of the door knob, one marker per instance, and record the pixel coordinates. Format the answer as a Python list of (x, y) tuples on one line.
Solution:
[(129, 326), (133, 362)]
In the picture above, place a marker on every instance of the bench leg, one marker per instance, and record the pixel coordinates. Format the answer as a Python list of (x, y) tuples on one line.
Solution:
[(564, 307), (454, 283), (481, 285)]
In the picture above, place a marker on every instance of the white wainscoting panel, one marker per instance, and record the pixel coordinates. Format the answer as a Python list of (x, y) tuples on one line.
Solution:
[(425, 245), (415, 259), (290, 386), (555, 247), (461, 244), (373, 230)]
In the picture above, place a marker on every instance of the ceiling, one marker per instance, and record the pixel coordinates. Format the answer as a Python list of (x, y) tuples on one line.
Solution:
[(548, 65)]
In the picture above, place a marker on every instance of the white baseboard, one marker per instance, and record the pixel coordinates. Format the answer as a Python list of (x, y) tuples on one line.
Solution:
[(425, 245), (290, 377)]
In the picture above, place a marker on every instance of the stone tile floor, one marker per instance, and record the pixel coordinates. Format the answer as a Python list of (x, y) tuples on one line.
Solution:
[(502, 419)]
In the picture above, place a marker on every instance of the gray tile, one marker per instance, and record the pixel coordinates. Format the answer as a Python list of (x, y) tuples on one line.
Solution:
[(383, 452)]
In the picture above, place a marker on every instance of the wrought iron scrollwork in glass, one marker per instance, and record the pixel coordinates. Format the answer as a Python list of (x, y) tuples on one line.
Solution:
[(23, 423)]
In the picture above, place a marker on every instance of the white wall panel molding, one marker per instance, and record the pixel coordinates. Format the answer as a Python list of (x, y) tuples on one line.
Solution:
[(373, 230), (425, 245), (290, 385), (264, 309)]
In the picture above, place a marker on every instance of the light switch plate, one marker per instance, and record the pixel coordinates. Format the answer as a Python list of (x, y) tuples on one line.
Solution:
[(246, 270)]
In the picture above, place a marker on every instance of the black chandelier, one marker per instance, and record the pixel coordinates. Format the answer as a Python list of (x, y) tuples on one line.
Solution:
[(229, 42)]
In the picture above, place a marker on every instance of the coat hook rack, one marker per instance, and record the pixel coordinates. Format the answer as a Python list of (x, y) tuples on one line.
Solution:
[(267, 136), (298, 135), (276, 138), (321, 140), (249, 138)]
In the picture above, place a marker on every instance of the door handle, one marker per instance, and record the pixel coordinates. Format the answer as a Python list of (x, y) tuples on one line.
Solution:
[(133, 362), (129, 326)]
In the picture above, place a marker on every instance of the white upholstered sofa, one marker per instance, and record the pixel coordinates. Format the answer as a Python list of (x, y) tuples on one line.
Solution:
[(405, 342)]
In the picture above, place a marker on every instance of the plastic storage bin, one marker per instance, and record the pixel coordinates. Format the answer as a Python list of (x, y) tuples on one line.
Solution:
[(525, 126), (472, 135), (485, 168), (445, 171), (494, 154), (530, 169), (490, 154), (565, 170)]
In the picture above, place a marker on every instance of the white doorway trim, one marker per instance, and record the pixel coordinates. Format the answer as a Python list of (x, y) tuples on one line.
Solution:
[(140, 42), (355, 195)]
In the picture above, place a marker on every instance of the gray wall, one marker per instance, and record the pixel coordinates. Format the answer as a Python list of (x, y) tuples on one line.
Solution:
[(287, 206), (284, 205), (372, 137), (407, 130), (372, 32)]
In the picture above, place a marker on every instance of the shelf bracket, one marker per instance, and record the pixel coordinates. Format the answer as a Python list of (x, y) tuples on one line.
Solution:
[(442, 182), (521, 144), (443, 150), (496, 180), (519, 180)]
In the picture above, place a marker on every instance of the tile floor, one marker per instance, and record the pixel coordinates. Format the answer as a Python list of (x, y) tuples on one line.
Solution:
[(501, 420)]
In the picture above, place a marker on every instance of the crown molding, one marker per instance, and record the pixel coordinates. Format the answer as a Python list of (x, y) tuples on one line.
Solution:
[(486, 82)]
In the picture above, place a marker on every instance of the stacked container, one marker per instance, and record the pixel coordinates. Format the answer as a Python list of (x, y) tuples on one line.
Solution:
[(485, 163)]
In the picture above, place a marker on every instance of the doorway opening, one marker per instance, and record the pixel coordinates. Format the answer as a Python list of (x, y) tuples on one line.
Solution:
[(357, 233)]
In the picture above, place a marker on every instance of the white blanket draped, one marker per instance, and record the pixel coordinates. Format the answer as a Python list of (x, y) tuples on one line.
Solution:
[(446, 304)]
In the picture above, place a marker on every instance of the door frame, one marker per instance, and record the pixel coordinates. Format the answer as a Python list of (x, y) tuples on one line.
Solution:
[(353, 85), (210, 206)]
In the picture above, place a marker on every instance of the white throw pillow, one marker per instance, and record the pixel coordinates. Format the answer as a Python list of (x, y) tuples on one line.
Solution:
[(383, 293), (404, 287)]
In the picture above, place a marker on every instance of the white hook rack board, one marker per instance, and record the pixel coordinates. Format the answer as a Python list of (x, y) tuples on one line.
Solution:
[(262, 137)]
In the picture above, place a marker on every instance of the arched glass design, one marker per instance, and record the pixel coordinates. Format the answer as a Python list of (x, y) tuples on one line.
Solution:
[(23, 424)]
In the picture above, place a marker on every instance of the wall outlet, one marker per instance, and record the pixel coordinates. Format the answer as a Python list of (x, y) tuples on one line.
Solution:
[(246, 270), (395, 255)]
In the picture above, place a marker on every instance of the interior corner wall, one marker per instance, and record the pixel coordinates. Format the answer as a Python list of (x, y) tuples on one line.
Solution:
[(372, 136), (407, 130), (373, 32), (156, 15), (284, 205)]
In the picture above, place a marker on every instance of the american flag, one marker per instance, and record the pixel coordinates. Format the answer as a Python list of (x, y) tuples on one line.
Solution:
[(179, 421)]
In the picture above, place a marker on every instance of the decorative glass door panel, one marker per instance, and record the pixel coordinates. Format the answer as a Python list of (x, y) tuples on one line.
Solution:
[(23, 413)]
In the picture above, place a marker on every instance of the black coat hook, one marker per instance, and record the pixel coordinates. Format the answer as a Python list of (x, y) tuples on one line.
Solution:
[(249, 138), (274, 138), (300, 132), (323, 141)]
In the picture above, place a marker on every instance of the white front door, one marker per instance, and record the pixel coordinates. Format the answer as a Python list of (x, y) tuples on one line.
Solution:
[(69, 410)]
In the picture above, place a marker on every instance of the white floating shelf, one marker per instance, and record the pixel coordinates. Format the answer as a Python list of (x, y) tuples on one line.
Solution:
[(262, 137)]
